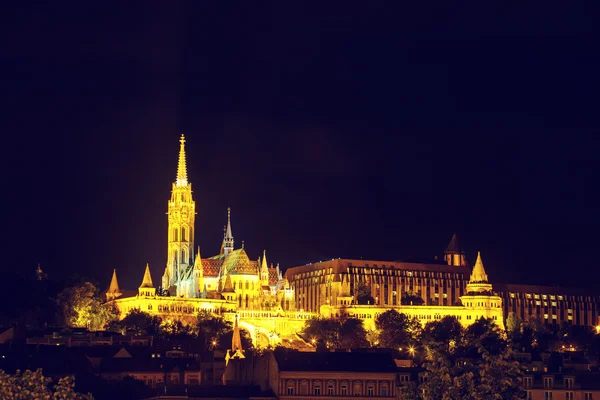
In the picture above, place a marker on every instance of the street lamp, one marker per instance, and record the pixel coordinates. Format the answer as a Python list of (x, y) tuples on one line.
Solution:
[(412, 351)]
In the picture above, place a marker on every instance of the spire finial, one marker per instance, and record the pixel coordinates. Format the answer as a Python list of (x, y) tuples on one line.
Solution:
[(242, 244), (181, 166)]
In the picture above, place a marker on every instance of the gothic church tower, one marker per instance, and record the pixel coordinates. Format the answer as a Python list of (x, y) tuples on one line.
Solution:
[(181, 213)]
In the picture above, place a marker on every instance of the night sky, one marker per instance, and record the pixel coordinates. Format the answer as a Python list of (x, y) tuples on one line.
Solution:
[(346, 129)]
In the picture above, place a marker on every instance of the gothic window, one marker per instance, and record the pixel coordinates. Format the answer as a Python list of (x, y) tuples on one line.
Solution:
[(182, 255), (175, 238), (183, 234), (246, 300)]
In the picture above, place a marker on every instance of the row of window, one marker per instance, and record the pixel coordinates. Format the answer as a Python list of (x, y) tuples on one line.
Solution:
[(568, 396), (552, 297), (345, 389)]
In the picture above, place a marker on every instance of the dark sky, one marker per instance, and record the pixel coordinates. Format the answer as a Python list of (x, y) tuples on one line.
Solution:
[(346, 129)]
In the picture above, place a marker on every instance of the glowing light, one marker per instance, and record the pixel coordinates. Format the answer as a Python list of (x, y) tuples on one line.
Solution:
[(313, 341), (598, 329)]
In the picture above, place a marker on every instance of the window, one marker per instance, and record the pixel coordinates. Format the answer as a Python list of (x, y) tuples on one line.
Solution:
[(569, 383), (317, 389), (370, 391), (568, 395), (330, 389), (529, 395), (528, 380), (587, 396), (548, 382), (548, 395), (384, 391), (344, 390), (290, 388), (357, 389)]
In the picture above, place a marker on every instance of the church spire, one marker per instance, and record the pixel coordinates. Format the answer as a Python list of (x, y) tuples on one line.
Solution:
[(236, 340), (236, 343), (181, 167), (228, 239), (264, 270)]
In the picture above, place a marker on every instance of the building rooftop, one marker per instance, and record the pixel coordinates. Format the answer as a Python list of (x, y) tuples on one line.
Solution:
[(335, 362)]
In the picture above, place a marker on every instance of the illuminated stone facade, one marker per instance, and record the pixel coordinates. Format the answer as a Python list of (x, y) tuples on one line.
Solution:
[(477, 301), (551, 304), (273, 306), (226, 283)]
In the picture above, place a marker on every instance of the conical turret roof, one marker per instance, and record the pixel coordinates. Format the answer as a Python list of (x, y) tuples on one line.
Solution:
[(114, 284), (478, 274), (147, 281), (454, 245)]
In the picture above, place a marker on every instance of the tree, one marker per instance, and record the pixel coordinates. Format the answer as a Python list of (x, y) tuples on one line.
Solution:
[(513, 326), (397, 330), (336, 332), (443, 335), (323, 330), (34, 385), (82, 307), (177, 330), (140, 322), (363, 294), (352, 334), (212, 328), (481, 367), (411, 299)]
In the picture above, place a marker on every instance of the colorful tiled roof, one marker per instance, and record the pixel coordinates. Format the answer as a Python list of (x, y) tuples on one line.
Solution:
[(238, 263), (273, 276), (211, 266)]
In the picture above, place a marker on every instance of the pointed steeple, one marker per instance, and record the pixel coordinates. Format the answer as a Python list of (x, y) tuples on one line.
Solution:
[(264, 270), (147, 281), (236, 340), (228, 239), (228, 286), (113, 289), (198, 262), (147, 288), (454, 255), (181, 166), (114, 283), (478, 275)]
